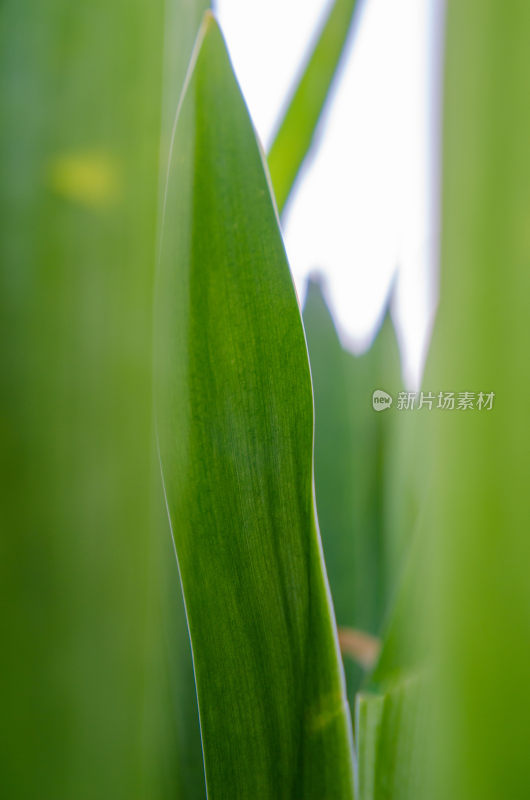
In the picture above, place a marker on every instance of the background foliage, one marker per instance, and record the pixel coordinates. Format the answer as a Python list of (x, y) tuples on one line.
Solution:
[(423, 517)]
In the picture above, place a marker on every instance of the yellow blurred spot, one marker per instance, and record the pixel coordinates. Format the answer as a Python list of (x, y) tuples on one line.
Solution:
[(89, 178)]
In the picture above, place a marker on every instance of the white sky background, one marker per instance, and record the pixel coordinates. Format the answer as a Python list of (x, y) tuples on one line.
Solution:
[(365, 208)]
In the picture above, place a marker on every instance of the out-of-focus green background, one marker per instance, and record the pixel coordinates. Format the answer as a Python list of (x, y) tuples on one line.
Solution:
[(89, 599), (96, 686)]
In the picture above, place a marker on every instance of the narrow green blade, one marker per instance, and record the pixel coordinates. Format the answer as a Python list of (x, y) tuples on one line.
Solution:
[(394, 753), (235, 436), (172, 702), (388, 731), (295, 134), (391, 718), (181, 741), (400, 763), (399, 746), (368, 715)]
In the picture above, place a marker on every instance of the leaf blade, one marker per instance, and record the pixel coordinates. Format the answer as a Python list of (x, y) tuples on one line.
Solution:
[(297, 129), (235, 437)]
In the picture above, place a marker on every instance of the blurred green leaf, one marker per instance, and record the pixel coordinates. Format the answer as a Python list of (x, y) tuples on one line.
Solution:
[(297, 129), (402, 652), (352, 445), (367, 499), (479, 495), (79, 144), (344, 437), (235, 436), (468, 575)]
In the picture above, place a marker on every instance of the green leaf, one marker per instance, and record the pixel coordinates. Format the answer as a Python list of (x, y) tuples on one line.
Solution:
[(471, 576), (368, 715), (391, 745), (79, 144), (352, 447), (392, 711), (391, 731), (235, 435), (479, 498), (297, 129)]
